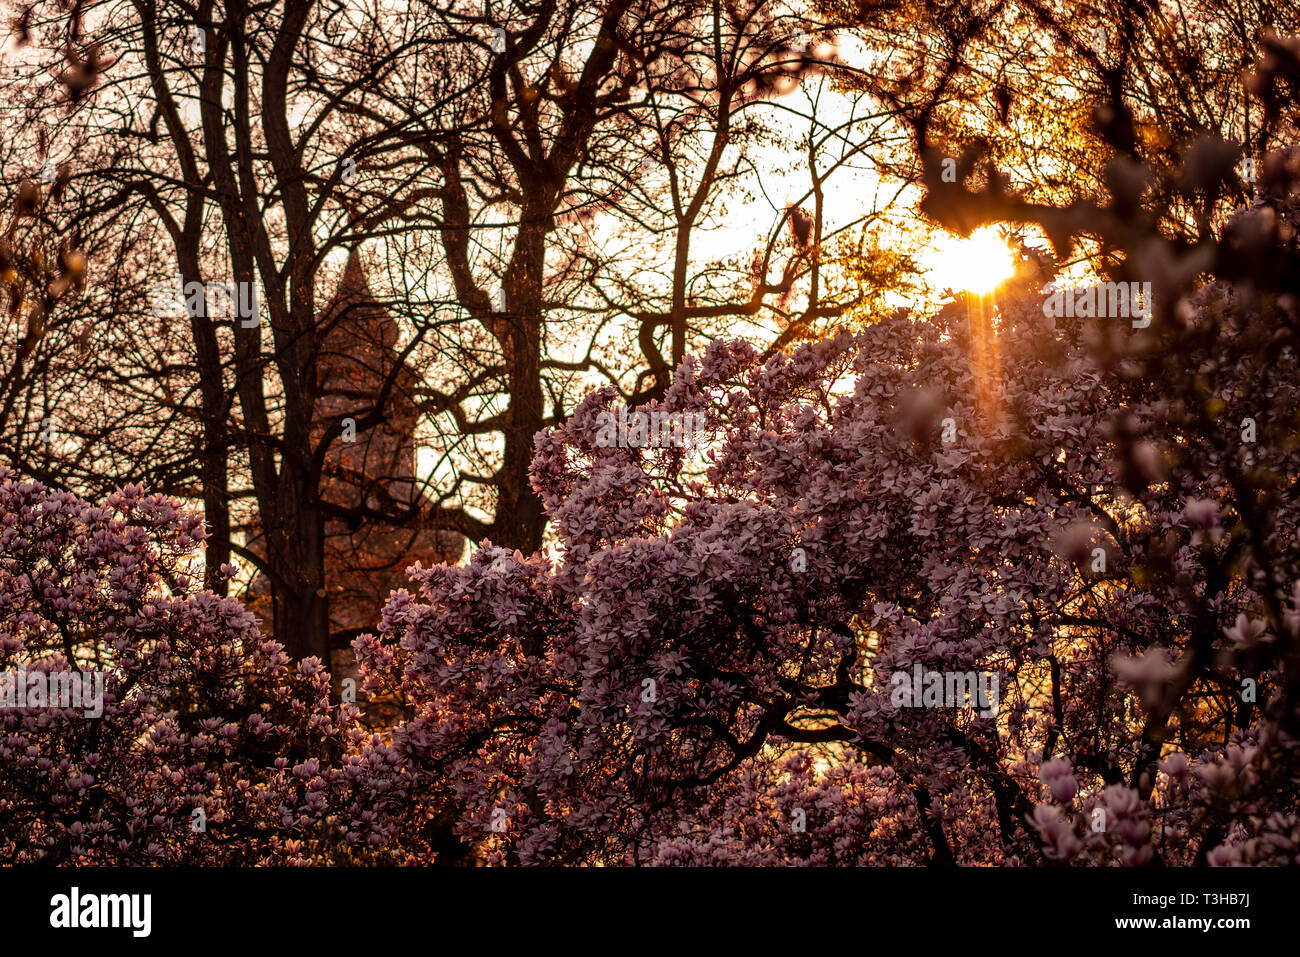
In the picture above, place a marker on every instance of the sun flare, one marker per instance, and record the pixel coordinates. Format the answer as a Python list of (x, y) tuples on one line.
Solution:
[(976, 264)]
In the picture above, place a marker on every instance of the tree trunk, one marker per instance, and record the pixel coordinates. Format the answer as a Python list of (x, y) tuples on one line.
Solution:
[(520, 519), (296, 554)]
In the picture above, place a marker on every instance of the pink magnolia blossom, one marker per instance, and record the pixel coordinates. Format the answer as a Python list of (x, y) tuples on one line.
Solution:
[(211, 745), (701, 672)]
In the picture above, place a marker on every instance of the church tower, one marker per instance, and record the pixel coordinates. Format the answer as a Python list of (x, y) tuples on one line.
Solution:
[(366, 404)]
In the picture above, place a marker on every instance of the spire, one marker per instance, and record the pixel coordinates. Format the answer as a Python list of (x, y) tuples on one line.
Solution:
[(354, 312), (353, 285)]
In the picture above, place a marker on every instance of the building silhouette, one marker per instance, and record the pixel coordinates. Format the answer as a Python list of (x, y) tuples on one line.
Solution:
[(366, 405)]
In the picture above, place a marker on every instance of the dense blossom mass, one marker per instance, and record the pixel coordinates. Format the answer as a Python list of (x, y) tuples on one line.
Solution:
[(212, 748), (703, 674)]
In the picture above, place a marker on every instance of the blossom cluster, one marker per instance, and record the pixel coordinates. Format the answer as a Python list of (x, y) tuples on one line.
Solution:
[(708, 652), (212, 746)]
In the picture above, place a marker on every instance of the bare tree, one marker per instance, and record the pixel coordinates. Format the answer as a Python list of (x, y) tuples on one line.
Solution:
[(477, 154)]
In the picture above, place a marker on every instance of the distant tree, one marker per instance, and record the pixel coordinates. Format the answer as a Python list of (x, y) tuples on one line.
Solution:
[(472, 153), (589, 148), (42, 340)]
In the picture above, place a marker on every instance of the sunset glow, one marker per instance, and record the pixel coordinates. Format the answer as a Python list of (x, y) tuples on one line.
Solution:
[(979, 263)]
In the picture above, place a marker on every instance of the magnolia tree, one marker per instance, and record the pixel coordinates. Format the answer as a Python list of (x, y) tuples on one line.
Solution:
[(188, 737), (923, 597), (909, 599)]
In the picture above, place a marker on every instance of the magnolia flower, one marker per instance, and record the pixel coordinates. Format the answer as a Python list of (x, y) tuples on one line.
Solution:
[(1203, 515), (1059, 778), (1245, 631), (1057, 832), (1147, 673), (1175, 765)]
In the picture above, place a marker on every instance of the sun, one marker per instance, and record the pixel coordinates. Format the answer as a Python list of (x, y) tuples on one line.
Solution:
[(976, 264)]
